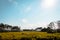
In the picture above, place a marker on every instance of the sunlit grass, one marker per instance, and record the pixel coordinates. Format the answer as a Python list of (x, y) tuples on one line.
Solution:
[(19, 35)]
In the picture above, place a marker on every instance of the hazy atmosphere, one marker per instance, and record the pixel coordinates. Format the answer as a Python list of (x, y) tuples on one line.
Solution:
[(29, 13)]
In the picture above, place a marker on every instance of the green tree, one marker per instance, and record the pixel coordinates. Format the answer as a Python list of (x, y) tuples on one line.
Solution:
[(44, 30), (2, 27), (15, 28)]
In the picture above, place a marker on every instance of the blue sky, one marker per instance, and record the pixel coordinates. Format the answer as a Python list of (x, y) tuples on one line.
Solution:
[(29, 13)]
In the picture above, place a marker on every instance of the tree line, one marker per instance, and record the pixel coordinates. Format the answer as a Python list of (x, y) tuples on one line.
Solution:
[(9, 28)]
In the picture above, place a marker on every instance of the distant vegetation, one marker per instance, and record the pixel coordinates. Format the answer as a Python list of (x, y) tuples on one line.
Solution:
[(9, 28)]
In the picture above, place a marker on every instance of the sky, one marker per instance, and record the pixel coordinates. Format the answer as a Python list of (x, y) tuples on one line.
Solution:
[(29, 14)]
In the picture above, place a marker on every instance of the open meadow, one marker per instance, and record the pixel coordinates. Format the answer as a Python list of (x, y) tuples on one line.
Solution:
[(29, 35)]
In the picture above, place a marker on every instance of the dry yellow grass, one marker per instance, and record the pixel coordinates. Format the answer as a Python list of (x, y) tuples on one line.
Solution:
[(18, 35)]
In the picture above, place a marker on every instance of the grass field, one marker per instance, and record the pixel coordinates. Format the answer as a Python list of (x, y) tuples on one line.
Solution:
[(27, 34)]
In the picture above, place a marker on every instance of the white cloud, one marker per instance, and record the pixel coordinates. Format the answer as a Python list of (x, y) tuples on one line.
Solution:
[(26, 25), (24, 20), (48, 3)]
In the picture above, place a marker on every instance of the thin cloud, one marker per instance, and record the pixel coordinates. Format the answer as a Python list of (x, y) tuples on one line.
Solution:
[(10, 0), (28, 9), (13, 2)]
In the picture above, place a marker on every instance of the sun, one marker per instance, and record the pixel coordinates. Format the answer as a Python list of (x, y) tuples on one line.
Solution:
[(48, 3)]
